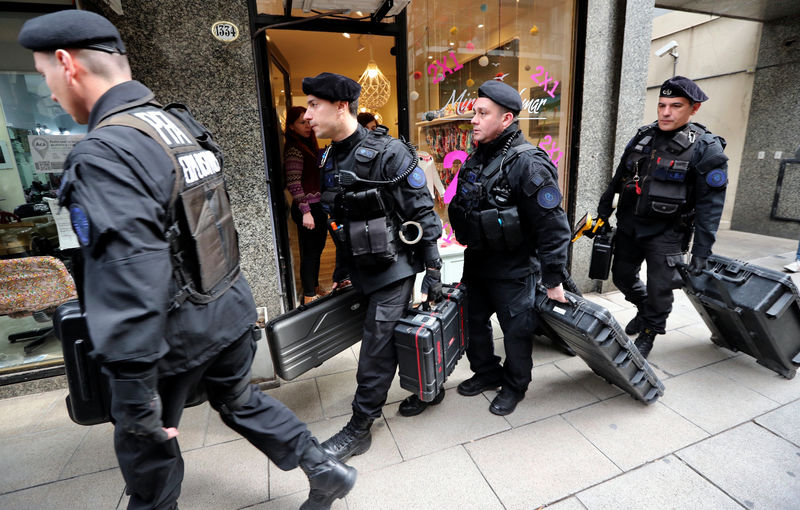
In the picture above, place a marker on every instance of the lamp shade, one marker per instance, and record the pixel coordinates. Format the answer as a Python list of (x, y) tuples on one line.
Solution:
[(375, 87)]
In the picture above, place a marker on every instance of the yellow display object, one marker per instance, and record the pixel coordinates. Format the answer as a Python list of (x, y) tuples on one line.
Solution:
[(587, 226)]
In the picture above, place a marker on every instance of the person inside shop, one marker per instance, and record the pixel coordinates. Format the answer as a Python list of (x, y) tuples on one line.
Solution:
[(373, 189), (507, 212), (671, 181), (157, 328), (300, 156), (367, 120)]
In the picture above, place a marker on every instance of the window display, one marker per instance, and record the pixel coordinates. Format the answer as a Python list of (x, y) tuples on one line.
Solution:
[(453, 47)]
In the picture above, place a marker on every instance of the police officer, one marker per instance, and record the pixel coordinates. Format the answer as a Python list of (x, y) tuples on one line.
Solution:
[(507, 212), (386, 232), (671, 181), (157, 329)]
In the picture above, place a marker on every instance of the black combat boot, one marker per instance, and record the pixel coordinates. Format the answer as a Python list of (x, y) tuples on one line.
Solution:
[(353, 439), (328, 478), (413, 406), (635, 325), (645, 341)]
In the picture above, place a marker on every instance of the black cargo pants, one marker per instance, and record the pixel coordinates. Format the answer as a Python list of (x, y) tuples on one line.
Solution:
[(153, 472), (377, 361), (662, 253), (513, 301)]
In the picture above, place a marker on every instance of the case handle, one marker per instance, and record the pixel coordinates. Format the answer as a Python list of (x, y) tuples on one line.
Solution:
[(780, 306)]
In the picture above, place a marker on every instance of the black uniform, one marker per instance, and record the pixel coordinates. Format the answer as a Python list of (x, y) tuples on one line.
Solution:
[(117, 185), (388, 284), (670, 183), (500, 259)]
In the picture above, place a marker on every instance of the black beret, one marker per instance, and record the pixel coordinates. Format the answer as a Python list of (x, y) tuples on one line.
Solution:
[(679, 86), (333, 87), (71, 29), (502, 94)]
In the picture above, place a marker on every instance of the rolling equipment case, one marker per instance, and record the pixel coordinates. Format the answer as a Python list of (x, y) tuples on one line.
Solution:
[(750, 309), (593, 333), (89, 399), (430, 343), (310, 334)]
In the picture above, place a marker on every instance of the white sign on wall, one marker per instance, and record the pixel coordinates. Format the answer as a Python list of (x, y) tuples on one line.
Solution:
[(225, 31), (50, 151)]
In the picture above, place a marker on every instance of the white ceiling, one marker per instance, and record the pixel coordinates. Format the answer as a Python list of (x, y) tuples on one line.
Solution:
[(310, 53)]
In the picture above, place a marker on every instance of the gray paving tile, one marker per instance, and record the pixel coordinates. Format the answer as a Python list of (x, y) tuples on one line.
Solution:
[(33, 459), (665, 483), (95, 452), (579, 371), (193, 426), (217, 432), (336, 394), (783, 421), (618, 298), (631, 433), (23, 415), (539, 463), (752, 465), (676, 353), (423, 483), (56, 416), (624, 316), (456, 420), (345, 360), (572, 503), (381, 454), (293, 502), (226, 476), (608, 304), (712, 401), (96, 490), (551, 392), (682, 315), (745, 370), (302, 397)]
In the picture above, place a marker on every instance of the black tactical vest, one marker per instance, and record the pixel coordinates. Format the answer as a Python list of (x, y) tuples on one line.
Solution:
[(366, 222), (482, 213), (658, 176), (201, 234)]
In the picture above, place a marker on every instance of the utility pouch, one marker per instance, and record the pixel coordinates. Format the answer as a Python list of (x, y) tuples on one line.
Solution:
[(512, 231), (660, 199), (372, 242), (474, 231), (364, 205), (337, 234), (490, 224)]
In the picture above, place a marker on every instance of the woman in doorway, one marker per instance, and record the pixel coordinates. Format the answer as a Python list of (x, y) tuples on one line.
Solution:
[(300, 155), (367, 120)]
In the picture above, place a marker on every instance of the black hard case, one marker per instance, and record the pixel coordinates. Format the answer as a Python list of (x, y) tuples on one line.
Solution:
[(602, 252), (310, 334), (593, 333), (750, 309), (88, 402), (430, 342)]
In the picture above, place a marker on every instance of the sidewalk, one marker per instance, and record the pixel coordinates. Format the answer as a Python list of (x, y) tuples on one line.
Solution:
[(724, 435)]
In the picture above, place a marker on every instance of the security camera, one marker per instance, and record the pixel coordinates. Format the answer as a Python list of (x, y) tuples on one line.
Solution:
[(667, 47)]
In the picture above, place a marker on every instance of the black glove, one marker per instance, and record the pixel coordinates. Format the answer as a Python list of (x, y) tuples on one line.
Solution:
[(136, 406), (697, 265), (432, 284)]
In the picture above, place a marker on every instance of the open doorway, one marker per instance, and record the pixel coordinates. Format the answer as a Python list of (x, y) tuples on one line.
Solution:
[(293, 55)]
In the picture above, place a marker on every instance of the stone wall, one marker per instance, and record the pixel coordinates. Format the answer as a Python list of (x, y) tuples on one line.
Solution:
[(774, 125), (172, 51)]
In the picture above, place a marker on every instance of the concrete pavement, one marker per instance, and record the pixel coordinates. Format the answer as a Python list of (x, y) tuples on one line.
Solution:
[(724, 435)]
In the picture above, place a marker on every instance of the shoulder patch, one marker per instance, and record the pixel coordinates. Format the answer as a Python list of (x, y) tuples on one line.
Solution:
[(366, 153), (716, 178), (80, 224), (416, 179), (548, 197)]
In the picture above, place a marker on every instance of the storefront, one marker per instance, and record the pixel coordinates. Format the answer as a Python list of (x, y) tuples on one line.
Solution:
[(451, 48), (420, 64)]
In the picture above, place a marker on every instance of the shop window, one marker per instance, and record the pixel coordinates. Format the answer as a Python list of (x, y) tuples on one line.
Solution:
[(36, 135), (456, 45), (358, 10)]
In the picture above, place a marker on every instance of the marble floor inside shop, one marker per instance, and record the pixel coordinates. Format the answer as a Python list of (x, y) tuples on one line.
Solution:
[(724, 435)]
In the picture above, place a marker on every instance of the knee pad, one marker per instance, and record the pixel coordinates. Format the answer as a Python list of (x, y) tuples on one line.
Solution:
[(234, 400)]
